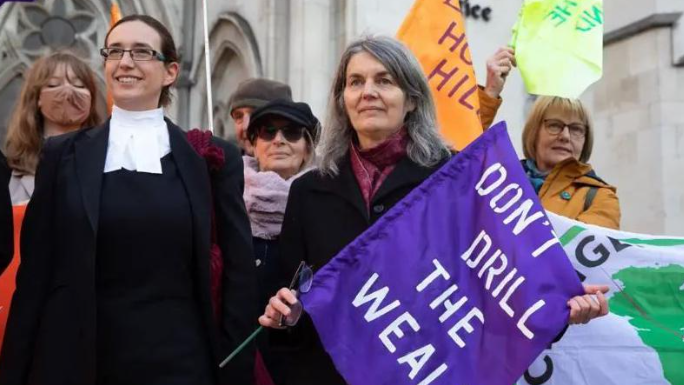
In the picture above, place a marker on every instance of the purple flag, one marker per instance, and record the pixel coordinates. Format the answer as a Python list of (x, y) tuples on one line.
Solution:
[(462, 282)]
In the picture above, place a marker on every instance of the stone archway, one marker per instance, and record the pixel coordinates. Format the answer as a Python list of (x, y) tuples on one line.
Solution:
[(235, 57)]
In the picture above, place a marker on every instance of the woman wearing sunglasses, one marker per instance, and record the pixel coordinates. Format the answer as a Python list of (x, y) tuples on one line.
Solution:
[(283, 135), (557, 142), (115, 282), (380, 142)]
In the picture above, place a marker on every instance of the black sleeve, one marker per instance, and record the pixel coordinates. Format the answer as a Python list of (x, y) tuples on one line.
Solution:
[(292, 252), (6, 230), (239, 288), (292, 247), (34, 271)]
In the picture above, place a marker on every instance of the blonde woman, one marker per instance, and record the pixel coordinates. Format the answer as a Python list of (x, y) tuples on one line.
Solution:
[(557, 142), (59, 95)]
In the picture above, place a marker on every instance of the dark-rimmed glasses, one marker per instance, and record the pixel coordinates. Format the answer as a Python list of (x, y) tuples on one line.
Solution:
[(137, 54), (301, 282), (291, 133), (555, 127)]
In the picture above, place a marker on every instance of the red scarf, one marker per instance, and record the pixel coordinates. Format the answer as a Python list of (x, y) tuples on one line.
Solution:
[(371, 167)]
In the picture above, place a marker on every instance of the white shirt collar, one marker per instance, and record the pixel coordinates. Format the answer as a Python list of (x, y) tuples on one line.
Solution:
[(137, 141)]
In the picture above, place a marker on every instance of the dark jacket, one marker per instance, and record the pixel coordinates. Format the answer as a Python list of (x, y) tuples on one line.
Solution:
[(50, 335), (6, 230), (266, 255), (274, 351), (323, 215)]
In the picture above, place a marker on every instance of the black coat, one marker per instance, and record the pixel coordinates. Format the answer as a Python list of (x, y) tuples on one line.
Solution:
[(50, 335), (6, 231), (267, 255), (323, 215)]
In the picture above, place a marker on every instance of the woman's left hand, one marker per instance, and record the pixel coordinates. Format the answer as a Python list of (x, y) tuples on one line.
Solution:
[(498, 68), (283, 309), (584, 308)]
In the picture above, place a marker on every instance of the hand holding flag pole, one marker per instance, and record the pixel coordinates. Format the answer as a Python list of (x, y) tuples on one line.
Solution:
[(301, 282)]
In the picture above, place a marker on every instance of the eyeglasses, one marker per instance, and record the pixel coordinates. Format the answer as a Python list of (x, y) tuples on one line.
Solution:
[(291, 133), (555, 127), (137, 54), (301, 282)]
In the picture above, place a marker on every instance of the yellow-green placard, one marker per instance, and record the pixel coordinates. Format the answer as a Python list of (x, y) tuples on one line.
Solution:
[(559, 45)]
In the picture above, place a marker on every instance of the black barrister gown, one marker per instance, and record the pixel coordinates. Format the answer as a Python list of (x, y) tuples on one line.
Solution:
[(53, 325), (149, 326)]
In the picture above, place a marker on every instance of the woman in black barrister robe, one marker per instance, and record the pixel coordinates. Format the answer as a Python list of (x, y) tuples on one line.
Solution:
[(114, 286)]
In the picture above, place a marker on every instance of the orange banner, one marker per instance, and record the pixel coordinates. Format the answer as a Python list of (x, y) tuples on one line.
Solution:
[(435, 31), (7, 278)]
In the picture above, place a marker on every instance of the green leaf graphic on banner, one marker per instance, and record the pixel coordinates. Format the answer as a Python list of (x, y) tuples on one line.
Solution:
[(653, 300), (570, 235), (664, 242)]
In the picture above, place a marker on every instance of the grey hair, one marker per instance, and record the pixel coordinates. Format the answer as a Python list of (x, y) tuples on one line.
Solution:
[(426, 146)]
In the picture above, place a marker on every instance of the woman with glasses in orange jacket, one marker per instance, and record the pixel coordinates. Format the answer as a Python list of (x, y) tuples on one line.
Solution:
[(558, 139), (557, 143)]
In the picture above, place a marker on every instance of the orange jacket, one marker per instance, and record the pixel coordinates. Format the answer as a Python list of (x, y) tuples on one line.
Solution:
[(565, 190), (488, 107)]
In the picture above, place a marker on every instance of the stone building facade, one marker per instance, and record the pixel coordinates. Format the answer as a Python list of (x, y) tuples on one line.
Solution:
[(637, 105)]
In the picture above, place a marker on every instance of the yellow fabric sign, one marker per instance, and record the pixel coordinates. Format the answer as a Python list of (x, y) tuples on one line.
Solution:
[(559, 45), (434, 31)]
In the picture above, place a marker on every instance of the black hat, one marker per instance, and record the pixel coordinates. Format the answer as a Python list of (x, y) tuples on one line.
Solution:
[(296, 112), (256, 92)]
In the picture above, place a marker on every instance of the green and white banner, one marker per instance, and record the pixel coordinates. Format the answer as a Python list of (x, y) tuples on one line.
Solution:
[(641, 341)]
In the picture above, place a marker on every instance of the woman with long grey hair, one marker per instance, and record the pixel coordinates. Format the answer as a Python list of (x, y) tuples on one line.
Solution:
[(379, 142), (424, 144)]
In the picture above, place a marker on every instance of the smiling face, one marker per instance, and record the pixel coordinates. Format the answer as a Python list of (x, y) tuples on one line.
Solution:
[(552, 149), (373, 100), (137, 85)]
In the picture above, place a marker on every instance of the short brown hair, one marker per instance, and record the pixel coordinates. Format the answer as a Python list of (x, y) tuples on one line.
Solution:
[(168, 47), (25, 132), (536, 119)]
